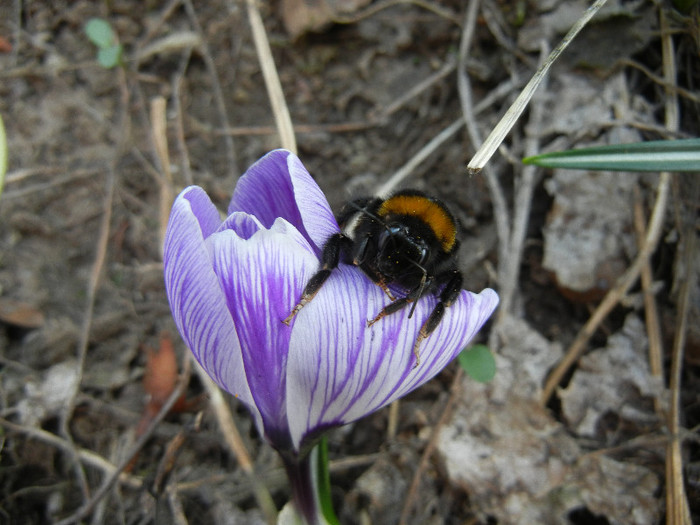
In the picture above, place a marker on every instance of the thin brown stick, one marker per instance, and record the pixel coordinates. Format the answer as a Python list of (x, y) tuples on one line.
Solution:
[(455, 391), (500, 208), (651, 313), (671, 88), (380, 115), (342, 127), (165, 179), (677, 509), (93, 282)]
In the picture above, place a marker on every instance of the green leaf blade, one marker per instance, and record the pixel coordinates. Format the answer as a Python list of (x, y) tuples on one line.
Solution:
[(661, 155)]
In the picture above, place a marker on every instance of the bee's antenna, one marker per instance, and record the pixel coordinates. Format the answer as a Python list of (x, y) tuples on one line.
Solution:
[(362, 209)]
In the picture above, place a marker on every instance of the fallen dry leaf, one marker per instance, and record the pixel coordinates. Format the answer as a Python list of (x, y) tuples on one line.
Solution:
[(20, 314)]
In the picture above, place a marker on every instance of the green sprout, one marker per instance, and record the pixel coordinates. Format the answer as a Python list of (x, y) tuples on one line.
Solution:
[(478, 362), (109, 50)]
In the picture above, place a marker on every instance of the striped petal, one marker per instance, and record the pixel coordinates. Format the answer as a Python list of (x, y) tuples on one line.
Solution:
[(262, 278), (196, 299), (340, 370)]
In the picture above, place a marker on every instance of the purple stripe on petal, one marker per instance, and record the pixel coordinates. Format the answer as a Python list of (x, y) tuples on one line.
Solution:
[(340, 370), (278, 185), (198, 306), (262, 278)]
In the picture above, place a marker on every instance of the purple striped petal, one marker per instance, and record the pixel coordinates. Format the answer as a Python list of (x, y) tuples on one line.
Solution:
[(196, 300), (263, 278), (341, 370), (278, 185)]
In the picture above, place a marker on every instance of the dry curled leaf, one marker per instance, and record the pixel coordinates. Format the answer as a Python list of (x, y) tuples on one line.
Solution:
[(20, 314)]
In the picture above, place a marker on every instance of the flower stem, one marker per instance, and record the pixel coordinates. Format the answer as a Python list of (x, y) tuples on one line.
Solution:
[(303, 483)]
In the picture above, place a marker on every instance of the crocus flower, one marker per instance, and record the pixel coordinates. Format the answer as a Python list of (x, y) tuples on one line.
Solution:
[(232, 282)]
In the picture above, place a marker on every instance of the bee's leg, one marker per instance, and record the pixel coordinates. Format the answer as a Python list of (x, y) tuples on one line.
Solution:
[(384, 287), (402, 302), (358, 257), (330, 257), (389, 309), (448, 295)]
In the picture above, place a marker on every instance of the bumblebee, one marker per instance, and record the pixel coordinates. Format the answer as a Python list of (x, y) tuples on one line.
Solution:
[(407, 239)]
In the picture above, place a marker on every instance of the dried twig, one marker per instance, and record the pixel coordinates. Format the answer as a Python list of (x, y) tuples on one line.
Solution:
[(500, 208), (651, 313), (677, 510), (509, 269), (100, 255), (379, 6)]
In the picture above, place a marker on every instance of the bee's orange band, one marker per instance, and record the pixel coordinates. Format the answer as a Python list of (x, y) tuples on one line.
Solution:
[(432, 213)]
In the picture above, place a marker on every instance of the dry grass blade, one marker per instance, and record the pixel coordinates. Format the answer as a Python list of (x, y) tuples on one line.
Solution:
[(651, 313), (677, 510), (493, 141), (160, 139), (272, 80)]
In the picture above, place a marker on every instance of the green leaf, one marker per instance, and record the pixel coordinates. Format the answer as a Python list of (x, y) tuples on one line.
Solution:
[(3, 154), (660, 155), (324, 483), (478, 362), (108, 57), (100, 33)]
